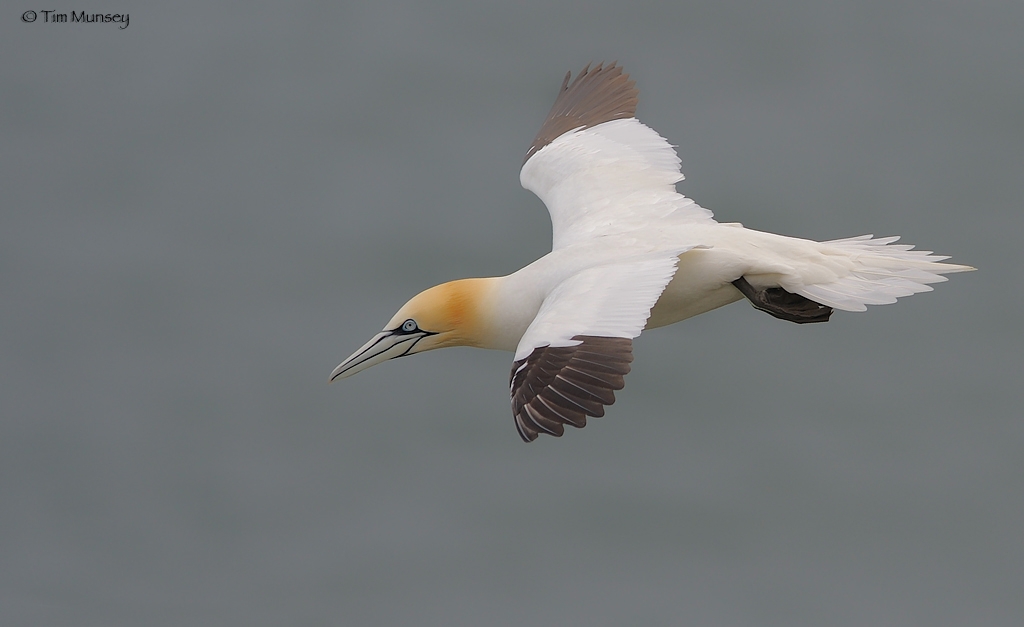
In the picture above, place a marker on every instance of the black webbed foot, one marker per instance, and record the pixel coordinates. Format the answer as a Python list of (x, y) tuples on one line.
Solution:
[(784, 305)]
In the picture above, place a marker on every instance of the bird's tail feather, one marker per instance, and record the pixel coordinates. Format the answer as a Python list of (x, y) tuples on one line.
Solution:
[(880, 271)]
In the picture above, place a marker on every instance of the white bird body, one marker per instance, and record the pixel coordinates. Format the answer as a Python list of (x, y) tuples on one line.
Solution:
[(629, 253)]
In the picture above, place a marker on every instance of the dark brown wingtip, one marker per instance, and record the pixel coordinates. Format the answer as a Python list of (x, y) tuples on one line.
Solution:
[(598, 95), (563, 385)]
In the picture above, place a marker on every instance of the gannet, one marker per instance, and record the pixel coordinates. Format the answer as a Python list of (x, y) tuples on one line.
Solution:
[(628, 253)]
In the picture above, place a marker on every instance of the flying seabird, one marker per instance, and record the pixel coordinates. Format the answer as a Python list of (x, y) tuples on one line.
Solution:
[(628, 253)]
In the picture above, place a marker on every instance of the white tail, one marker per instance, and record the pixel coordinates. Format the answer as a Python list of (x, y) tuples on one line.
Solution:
[(879, 273)]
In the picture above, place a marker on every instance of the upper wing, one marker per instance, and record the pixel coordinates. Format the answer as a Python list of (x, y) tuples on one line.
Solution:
[(575, 353), (597, 168)]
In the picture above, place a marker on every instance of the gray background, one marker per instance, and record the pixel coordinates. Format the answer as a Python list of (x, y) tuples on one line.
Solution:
[(204, 213)]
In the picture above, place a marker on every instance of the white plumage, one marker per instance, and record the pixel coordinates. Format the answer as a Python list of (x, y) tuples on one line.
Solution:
[(610, 179), (607, 300), (629, 252)]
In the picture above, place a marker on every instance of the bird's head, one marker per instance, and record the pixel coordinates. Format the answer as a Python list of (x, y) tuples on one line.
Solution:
[(445, 315)]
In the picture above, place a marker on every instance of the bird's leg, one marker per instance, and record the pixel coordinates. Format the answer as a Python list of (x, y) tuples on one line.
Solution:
[(784, 305)]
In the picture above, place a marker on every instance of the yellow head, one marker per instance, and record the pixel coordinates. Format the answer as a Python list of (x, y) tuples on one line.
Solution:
[(450, 314)]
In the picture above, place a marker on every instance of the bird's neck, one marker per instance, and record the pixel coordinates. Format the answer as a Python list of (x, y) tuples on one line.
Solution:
[(486, 312)]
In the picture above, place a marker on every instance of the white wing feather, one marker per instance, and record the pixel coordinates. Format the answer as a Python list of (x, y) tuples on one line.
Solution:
[(611, 178), (612, 300)]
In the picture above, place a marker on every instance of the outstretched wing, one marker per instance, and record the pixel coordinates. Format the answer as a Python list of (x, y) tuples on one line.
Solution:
[(599, 170), (577, 350)]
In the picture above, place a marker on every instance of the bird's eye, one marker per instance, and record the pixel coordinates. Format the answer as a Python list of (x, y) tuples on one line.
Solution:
[(409, 325)]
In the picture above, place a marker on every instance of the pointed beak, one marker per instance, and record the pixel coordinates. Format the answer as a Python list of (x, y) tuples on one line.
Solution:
[(384, 346)]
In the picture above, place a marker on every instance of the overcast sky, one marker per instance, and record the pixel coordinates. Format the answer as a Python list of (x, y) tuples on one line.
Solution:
[(205, 211)]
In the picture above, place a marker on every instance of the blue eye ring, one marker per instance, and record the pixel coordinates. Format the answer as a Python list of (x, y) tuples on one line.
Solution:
[(409, 326)]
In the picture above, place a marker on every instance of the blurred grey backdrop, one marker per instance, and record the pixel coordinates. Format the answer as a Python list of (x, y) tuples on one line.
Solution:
[(205, 212)]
